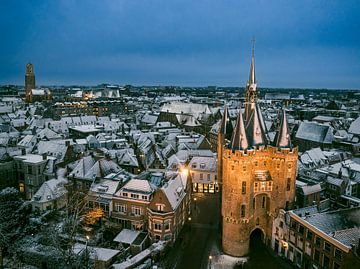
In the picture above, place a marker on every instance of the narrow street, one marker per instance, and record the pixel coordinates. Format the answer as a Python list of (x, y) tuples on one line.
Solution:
[(197, 240)]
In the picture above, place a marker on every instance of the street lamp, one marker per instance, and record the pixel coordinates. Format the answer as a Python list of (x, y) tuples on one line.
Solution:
[(195, 203), (210, 258), (86, 251)]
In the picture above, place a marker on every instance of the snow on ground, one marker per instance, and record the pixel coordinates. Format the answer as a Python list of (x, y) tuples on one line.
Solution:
[(220, 260)]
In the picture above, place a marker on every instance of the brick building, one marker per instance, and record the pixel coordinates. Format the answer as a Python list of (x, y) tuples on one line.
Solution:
[(258, 178)]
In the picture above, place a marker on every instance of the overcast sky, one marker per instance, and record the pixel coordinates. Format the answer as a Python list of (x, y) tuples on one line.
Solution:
[(313, 44)]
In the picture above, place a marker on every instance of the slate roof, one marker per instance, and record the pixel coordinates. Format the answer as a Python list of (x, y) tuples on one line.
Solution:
[(315, 132), (50, 190), (340, 224), (355, 127)]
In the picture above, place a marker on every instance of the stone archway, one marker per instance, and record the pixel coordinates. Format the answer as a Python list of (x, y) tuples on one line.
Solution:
[(256, 238)]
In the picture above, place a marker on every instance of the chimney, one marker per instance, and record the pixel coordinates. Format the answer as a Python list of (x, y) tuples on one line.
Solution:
[(44, 156), (67, 143), (23, 151)]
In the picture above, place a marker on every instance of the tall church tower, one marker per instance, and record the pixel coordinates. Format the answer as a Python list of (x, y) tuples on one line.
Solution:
[(258, 177), (29, 82)]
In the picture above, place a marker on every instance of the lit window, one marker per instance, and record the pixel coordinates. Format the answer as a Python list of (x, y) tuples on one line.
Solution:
[(160, 207)]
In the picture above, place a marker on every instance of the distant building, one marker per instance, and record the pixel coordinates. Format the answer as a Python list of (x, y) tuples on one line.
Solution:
[(29, 82)]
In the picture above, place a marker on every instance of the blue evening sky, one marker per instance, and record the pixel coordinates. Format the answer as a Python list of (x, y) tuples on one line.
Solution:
[(313, 44)]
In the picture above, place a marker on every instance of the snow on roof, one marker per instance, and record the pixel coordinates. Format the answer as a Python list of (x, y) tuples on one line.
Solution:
[(140, 185), (203, 163), (99, 254), (174, 189), (32, 158), (126, 236), (130, 263), (313, 131), (307, 190), (355, 127), (105, 186), (50, 190)]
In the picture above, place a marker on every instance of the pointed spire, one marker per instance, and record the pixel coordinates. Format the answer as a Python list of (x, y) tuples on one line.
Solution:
[(282, 138), (254, 128), (239, 139), (226, 127), (252, 78)]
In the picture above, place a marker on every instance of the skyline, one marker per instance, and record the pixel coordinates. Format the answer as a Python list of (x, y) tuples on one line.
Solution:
[(298, 45)]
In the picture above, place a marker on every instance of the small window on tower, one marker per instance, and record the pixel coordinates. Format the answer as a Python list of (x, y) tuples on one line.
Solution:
[(243, 187), (288, 184), (263, 202), (243, 211)]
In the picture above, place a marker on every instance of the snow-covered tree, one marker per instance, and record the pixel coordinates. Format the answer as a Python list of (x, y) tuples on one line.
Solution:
[(14, 217)]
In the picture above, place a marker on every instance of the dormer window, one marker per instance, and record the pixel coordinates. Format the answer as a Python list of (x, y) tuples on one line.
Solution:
[(202, 165)]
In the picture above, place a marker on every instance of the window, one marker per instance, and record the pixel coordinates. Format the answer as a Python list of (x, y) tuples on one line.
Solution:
[(120, 208), (244, 168), (208, 177), (309, 235), (29, 169), (288, 184), (21, 187), (278, 166), (256, 186), (326, 262), (263, 202), (317, 256), (202, 165), (167, 226), (317, 241), (144, 197), (301, 229), (157, 226), (327, 247), (243, 187), (293, 224), (254, 203), (338, 254), (243, 211), (135, 196), (125, 194), (160, 207), (201, 176), (281, 224), (136, 210)]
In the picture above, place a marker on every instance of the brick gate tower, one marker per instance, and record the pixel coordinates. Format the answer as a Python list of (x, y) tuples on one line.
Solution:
[(258, 176)]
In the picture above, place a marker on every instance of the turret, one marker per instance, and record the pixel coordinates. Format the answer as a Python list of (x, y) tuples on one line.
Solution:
[(239, 139), (282, 138), (226, 127)]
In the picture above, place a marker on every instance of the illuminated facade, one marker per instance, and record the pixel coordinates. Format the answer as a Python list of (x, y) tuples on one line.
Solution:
[(258, 177)]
